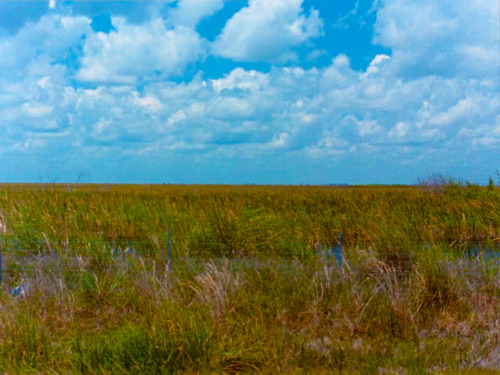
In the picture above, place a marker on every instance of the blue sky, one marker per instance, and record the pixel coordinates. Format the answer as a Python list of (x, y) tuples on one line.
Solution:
[(257, 91)]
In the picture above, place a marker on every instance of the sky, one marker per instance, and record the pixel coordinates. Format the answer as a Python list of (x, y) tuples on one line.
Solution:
[(249, 91)]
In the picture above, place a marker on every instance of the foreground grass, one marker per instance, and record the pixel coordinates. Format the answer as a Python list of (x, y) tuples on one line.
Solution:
[(229, 316)]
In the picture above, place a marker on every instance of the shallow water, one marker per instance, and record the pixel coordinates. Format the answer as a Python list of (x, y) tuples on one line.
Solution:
[(485, 251)]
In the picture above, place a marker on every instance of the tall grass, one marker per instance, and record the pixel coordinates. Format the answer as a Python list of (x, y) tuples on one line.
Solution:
[(246, 291), (260, 315), (246, 220)]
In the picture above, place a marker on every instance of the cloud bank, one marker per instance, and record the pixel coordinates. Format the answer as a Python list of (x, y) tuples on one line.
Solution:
[(121, 105)]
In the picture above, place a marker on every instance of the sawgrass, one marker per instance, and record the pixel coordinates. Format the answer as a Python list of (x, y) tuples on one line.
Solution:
[(245, 220), (246, 290)]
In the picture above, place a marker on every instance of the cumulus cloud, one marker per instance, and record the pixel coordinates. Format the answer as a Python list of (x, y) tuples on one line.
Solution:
[(134, 51), (267, 30), (35, 82), (399, 131), (190, 12), (251, 114), (242, 80), (447, 38), (131, 101), (52, 40)]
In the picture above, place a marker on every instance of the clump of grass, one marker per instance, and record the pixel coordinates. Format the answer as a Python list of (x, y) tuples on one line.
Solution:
[(138, 316)]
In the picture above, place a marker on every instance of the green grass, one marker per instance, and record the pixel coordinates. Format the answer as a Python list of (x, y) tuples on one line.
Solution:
[(246, 220), (246, 291), (222, 317)]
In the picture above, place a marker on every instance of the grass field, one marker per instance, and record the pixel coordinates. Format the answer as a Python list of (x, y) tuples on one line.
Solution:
[(246, 289)]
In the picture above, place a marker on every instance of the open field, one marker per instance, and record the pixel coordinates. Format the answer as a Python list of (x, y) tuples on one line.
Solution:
[(246, 290)]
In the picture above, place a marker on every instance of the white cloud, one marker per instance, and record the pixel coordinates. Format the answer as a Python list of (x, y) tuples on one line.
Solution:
[(104, 130), (374, 66), (267, 30), (233, 109), (464, 108), (315, 54), (51, 40), (367, 127), (399, 131), (139, 51), (279, 140), (242, 80), (448, 38), (150, 102), (37, 109), (334, 114), (190, 12)]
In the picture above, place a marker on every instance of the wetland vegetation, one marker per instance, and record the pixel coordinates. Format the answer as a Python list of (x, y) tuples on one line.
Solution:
[(246, 289)]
